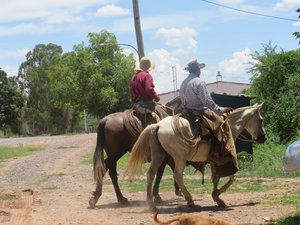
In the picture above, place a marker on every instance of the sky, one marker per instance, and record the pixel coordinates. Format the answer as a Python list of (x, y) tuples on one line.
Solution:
[(223, 34)]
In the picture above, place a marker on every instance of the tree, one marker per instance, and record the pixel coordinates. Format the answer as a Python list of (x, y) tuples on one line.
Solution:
[(297, 34), (276, 82), (57, 86), (36, 77), (101, 75), (11, 101)]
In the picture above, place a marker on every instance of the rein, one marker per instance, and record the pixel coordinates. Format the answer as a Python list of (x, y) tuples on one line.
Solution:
[(242, 137)]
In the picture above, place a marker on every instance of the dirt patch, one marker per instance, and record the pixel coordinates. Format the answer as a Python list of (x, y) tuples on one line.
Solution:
[(62, 185), (15, 207)]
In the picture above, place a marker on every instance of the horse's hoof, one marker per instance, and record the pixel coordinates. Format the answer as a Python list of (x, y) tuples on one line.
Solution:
[(92, 203), (191, 205), (123, 201), (221, 204), (152, 206), (178, 193), (158, 199), (153, 209)]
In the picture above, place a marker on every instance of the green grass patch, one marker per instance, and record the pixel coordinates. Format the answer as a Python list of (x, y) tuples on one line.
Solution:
[(122, 163), (292, 219), (195, 186), (50, 188), (57, 174), (266, 161), (8, 197), (7, 152), (289, 198), (88, 158), (67, 147)]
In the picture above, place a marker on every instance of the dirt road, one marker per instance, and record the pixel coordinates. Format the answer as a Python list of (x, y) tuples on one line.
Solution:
[(62, 185)]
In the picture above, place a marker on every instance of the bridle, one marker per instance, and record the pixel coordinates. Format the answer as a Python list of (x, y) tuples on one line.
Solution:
[(242, 137)]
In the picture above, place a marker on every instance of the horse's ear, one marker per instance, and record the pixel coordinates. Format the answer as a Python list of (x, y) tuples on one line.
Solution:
[(260, 105)]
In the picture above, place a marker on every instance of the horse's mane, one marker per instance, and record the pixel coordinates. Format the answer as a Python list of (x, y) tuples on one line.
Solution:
[(238, 114), (176, 100), (238, 110)]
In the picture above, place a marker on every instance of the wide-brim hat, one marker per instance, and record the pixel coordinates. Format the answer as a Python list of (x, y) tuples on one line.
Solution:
[(146, 64), (194, 64)]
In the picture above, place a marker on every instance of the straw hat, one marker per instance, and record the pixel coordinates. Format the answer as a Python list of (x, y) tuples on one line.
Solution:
[(146, 64)]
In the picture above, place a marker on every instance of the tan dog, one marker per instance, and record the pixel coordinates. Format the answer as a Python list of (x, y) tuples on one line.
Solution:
[(187, 219)]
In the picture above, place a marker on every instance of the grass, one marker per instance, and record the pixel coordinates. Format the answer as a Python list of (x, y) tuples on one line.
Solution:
[(88, 158), (47, 177), (50, 188), (7, 197), (193, 183), (67, 147), (265, 162), (289, 198), (7, 152), (57, 174), (292, 219)]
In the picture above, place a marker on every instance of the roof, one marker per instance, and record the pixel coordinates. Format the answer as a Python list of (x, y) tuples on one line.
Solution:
[(228, 88), (218, 87)]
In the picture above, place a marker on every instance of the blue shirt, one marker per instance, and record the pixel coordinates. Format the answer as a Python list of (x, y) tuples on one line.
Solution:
[(194, 95)]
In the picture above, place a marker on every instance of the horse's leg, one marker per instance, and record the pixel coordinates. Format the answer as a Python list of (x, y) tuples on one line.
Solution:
[(217, 192), (98, 192), (157, 158), (171, 163), (168, 160), (178, 177), (157, 198), (112, 165)]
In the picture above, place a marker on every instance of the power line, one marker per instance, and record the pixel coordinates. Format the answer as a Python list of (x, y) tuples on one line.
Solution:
[(249, 12)]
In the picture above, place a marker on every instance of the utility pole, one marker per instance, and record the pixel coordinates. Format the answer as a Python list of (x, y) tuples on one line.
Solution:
[(174, 80), (138, 31)]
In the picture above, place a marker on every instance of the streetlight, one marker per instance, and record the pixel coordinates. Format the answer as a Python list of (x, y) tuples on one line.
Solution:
[(128, 45)]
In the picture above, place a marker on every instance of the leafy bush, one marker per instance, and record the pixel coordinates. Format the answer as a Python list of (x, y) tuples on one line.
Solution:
[(266, 161), (276, 82)]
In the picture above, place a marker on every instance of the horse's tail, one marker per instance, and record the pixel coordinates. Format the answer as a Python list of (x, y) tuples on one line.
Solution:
[(99, 165), (141, 152)]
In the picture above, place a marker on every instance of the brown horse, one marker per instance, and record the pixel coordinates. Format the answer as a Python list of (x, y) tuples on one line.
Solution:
[(161, 139), (117, 138)]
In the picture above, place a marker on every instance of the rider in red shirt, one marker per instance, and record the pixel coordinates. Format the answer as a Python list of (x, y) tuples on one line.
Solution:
[(142, 91)]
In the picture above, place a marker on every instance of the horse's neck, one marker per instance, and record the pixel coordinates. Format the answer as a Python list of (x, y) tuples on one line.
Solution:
[(238, 120), (175, 105)]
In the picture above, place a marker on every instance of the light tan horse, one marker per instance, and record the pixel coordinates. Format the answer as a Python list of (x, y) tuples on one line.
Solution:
[(159, 139)]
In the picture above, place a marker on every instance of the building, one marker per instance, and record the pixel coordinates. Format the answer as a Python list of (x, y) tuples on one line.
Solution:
[(227, 88), (218, 87)]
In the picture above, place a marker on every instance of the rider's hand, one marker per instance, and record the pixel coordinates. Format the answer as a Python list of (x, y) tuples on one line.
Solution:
[(227, 110)]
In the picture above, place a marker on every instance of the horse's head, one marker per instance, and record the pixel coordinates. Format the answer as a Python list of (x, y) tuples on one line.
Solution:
[(254, 124), (175, 104), (248, 118)]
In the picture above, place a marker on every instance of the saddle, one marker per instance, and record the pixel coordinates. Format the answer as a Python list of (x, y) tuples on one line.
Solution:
[(202, 127), (147, 116), (136, 119), (199, 126)]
